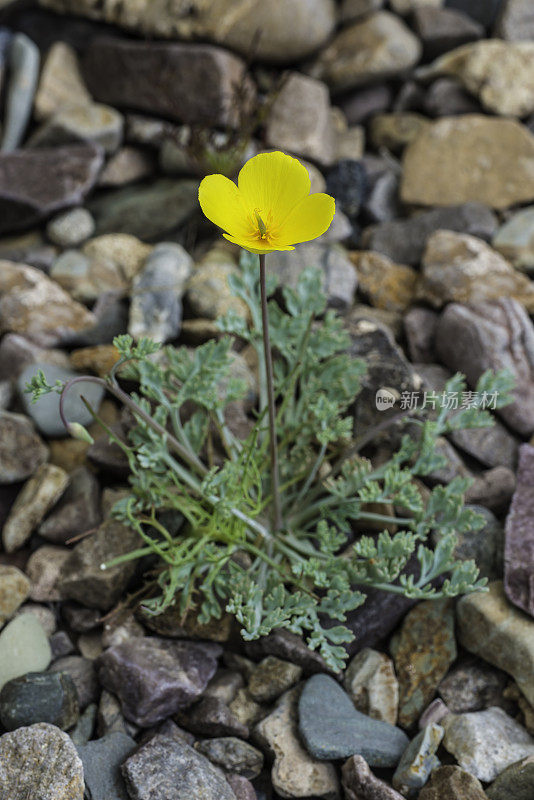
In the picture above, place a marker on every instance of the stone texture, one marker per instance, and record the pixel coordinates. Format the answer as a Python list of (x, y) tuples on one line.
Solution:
[(515, 781), (122, 73), (208, 292), (452, 783), (83, 673), (127, 165), (154, 677), (294, 773), (14, 589), (242, 788), (515, 21), (32, 304), (332, 728), (211, 717), (470, 158), (233, 755), (95, 124), (24, 61), (24, 647), (71, 228), (102, 760), (36, 498), (44, 569), (379, 47), (40, 762), (418, 760), (39, 697), (486, 742), (61, 84), (423, 650), (170, 769), (491, 628), (77, 511), (473, 686), (446, 97), (420, 330), (359, 782), (443, 29), (346, 181), (496, 335), (387, 285), (519, 550), (396, 130), (515, 239), (271, 678), (371, 682)]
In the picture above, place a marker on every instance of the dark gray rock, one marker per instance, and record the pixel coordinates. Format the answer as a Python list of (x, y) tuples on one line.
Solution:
[(364, 103), (447, 97), (516, 782), (154, 678), (84, 728), (36, 183), (443, 29), (381, 203), (61, 645), (492, 489), (483, 11), (112, 319), (519, 547), (83, 674), (39, 697), (102, 760), (233, 755), (485, 547), (77, 511), (290, 647), (170, 769), (22, 450), (123, 73), (212, 717), (420, 329), (452, 783), (404, 240), (347, 183), (473, 686), (332, 728)]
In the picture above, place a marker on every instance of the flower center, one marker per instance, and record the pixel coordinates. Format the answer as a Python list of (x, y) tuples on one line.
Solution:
[(261, 224)]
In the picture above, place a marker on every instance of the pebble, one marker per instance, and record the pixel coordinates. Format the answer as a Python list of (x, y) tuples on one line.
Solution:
[(170, 769), (443, 29), (155, 677), (37, 497), (493, 629), (233, 755), (446, 97), (102, 760), (82, 671), (71, 228), (473, 686), (332, 728), (515, 239), (295, 773), (359, 782), (212, 717), (246, 710), (225, 685), (486, 742), (420, 330), (396, 130), (22, 450), (515, 22), (242, 788), (519, 533), (127, 165), (14, 590), (24, 63), (447, 163), (418, 761), (157, 290), (44, 615), (44, 569), (452, 783), (110, 718), (39, 697), (40, 761), (346, 182), (515, 781), (384, 283), (77, 511), (371, 682), (24, 647), (61, 84), (84, 728), (61, 645), (208, 291), (271, 678), (92, 123)]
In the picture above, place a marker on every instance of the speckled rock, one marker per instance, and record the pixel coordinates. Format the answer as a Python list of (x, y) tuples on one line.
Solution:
[(332, 728), (396, 130), (24, 647), (423, 650), (359, 782), (242, 787), (61, 84), (246, 710), (44, 569), (452, 783), (225, 685), (208, 291), (448, 163), (486, 742), (71, 228), (232, 755), (39, 697), (40, 762), (36, 498), (102, 760), (515, 781), (418, 761), (22, 450), (294, 773), (386, 284), (14, 589), (77, 511), (271, 678), (371, 682), (519, 548), (473, 686)]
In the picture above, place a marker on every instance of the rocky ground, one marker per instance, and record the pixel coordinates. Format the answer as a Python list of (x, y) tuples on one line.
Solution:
[(418, 116)]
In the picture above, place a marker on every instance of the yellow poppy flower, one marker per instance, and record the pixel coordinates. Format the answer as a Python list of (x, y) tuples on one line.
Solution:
[(271, 207)]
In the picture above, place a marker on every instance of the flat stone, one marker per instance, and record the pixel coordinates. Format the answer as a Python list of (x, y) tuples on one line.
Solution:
[(448, 163), (212, 717), (36, 498), (33, 305), (169, 768), (332, 728), (271, 678), (359, 782), (496, 335), (418, 760), (14, 589), (473, 686), (24, 647), (246, 710), (515, 781), (452, 783), (156, 307), (486, 742), (122, 73), (493, 629), (404, 240), (44, 615), (102, 760), (93, 123), (24, 62), (39, 697), (371, 682), (82, 578), (233, 755), (386, 285), (71, 228), (40, 761), (379, 47), (519, 550), (423, 651), (61, 84), (77, 511), (154, 678), (295, 773), (44, 569)]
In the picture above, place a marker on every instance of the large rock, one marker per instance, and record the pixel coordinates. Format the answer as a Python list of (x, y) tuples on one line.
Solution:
[(500, 74), (34, 183), (22, 450), (40, 762), (519, 550), (496, 335), (39, 697), (470, 158), (493, 629), (379, 47), (123, 73)]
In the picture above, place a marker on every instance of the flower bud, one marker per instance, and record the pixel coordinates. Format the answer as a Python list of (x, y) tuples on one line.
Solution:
[(77, 431)]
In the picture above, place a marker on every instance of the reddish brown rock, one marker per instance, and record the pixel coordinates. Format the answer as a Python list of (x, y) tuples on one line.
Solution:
[(519, 533)]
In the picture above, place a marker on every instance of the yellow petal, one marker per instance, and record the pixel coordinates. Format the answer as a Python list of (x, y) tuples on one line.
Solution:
[(248, 244), (273, 183), (222, 203), (308, 220)]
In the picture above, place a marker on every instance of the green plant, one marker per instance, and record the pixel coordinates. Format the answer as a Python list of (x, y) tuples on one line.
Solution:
[(227, 554)]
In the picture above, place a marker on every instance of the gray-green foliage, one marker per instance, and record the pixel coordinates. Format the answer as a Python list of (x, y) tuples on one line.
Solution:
[(225, 557)]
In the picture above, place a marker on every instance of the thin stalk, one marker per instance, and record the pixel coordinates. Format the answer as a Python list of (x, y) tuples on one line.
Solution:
[(275, 482)]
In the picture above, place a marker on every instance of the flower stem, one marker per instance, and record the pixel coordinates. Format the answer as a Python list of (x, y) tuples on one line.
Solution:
[(275, 483)]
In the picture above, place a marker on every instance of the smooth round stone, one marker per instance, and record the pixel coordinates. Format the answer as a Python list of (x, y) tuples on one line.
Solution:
[(71, 228), (24, 647), (332, 728), (39, 697)]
